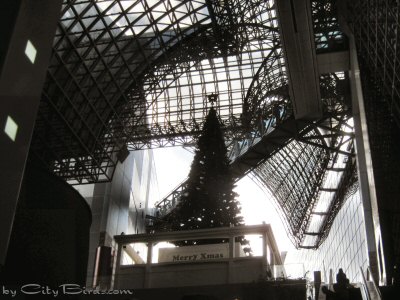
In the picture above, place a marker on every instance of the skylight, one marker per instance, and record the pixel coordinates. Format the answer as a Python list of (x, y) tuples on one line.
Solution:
[(152, 16)]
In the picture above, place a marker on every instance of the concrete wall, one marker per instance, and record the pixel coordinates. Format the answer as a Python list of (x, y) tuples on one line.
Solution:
[(26, 34), (50, 238), (121, 205), (240, 270), (288, 289)]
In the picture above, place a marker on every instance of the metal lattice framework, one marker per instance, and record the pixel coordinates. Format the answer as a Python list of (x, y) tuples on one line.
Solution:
[(288, 175), (135, 74), (313, 172), (384, 136), (314, 165), (312, 177), (327, 33), (375, 25)]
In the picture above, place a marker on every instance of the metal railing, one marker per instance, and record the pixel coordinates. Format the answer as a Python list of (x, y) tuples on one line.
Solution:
[(369, 290)]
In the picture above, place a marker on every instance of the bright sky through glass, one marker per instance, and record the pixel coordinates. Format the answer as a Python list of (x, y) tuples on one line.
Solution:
[(172, 167)]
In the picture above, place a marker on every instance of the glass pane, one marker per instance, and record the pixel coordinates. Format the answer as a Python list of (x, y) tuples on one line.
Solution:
[(134, 254), (254, 246)]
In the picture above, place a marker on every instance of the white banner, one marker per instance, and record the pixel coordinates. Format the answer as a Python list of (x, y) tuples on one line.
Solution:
[(197, 253)]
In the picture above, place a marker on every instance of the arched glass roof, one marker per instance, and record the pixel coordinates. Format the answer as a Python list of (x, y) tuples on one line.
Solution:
[(135, 74)]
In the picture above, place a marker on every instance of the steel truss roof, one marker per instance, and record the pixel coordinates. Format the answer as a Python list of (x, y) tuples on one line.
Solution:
[(135, 74), (309, 169), (309, 173), (313, 176)]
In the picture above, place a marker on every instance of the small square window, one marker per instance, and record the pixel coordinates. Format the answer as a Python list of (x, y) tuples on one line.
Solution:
[(30, 51), (11, 128)]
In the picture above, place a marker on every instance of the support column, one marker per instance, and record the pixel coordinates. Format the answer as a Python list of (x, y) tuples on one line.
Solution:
[(117, 267), (26, 32), (268, 268), (364, 165), (300, 57), (231, 257), (147, 274)]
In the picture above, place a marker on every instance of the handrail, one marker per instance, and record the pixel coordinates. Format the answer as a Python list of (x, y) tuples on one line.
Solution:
[(374, 283), (164, 199), (218, 232), (366, 288), (287, 125)]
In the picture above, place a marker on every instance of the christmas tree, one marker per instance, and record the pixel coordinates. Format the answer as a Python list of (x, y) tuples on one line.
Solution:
[(209, 200)]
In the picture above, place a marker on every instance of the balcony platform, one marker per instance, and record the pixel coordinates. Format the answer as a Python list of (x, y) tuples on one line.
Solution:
[(202, 265)]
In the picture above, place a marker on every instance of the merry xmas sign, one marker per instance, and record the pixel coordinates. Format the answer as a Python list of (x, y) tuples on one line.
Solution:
[(197, 253)]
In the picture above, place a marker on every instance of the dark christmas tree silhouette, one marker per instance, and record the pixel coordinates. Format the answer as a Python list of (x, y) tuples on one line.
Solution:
[(209, 200)]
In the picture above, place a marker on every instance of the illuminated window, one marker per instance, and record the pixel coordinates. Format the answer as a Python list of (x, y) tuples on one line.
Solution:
[(11, 128), (30, 51)]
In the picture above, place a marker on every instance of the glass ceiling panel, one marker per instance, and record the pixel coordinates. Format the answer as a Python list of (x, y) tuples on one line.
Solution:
[(137, 74), (250, 85)]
